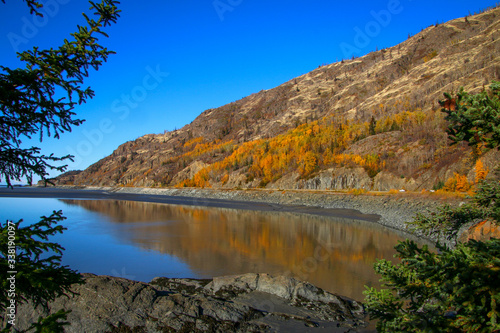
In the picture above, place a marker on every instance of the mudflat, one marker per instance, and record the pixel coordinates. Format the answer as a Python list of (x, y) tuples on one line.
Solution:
[(128, 194)]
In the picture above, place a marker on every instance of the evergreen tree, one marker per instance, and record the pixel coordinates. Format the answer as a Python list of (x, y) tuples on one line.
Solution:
[(40, 100), (474, 118), (371, 128), (455, 289)]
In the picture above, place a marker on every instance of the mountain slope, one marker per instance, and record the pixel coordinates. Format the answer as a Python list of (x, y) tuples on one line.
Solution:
[(371, 122)]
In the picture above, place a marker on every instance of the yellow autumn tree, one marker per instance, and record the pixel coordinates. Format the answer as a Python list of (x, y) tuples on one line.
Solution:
[(308, 164), (201, 178), (462, 183), (481, 171)]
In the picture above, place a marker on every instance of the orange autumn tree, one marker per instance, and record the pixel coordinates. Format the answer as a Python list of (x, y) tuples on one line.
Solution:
[(481, 171), (457, 183), (308, 164)]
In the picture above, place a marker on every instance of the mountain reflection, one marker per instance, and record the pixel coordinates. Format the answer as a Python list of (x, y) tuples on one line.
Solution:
[(336, 254)]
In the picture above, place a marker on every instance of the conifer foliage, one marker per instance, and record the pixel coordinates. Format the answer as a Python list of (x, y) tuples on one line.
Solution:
[(455, 289), (474, 118), (39, 100), (40, 278)]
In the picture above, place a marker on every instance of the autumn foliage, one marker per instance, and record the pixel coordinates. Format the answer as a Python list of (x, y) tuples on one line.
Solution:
[(457, 183), (317, 145), (305, 150), (460, 183), (481, 171)]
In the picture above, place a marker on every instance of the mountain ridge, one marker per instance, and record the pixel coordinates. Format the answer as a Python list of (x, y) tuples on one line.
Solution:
[(371, 122)]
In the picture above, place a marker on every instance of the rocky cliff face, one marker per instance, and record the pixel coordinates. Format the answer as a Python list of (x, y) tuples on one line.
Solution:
[(384, 105), (245, 303)]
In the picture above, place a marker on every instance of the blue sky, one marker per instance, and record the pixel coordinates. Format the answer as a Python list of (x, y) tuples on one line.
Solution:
[(176, 59)]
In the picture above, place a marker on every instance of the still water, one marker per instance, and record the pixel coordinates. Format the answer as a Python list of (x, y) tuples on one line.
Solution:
[(140, 241)]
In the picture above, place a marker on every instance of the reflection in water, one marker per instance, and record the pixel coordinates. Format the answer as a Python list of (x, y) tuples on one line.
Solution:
[(334, 254)]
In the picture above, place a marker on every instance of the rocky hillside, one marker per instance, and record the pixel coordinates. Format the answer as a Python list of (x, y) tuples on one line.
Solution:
[(372, 122)]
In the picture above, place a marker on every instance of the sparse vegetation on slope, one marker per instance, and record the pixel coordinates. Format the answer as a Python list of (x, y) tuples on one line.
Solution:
[(371, 122)]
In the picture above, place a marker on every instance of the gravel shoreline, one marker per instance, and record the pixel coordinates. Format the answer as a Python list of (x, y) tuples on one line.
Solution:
[(389, 210), (394, 210)]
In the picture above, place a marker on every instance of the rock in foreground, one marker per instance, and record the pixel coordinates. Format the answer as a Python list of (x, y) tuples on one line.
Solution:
[(244, 303)]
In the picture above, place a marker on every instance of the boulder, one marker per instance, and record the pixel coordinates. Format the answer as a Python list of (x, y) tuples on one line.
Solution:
[(480, 231)]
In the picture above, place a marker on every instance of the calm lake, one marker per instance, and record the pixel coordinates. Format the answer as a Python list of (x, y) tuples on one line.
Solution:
[(140, 241)]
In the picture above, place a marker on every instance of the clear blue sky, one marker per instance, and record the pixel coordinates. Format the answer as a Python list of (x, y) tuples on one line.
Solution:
[(176, 59)]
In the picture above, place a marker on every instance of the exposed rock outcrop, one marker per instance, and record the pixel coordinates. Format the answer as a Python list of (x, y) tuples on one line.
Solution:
[(189, 171), (338, 179), (245, 303), (479, 230), (386, 181)]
